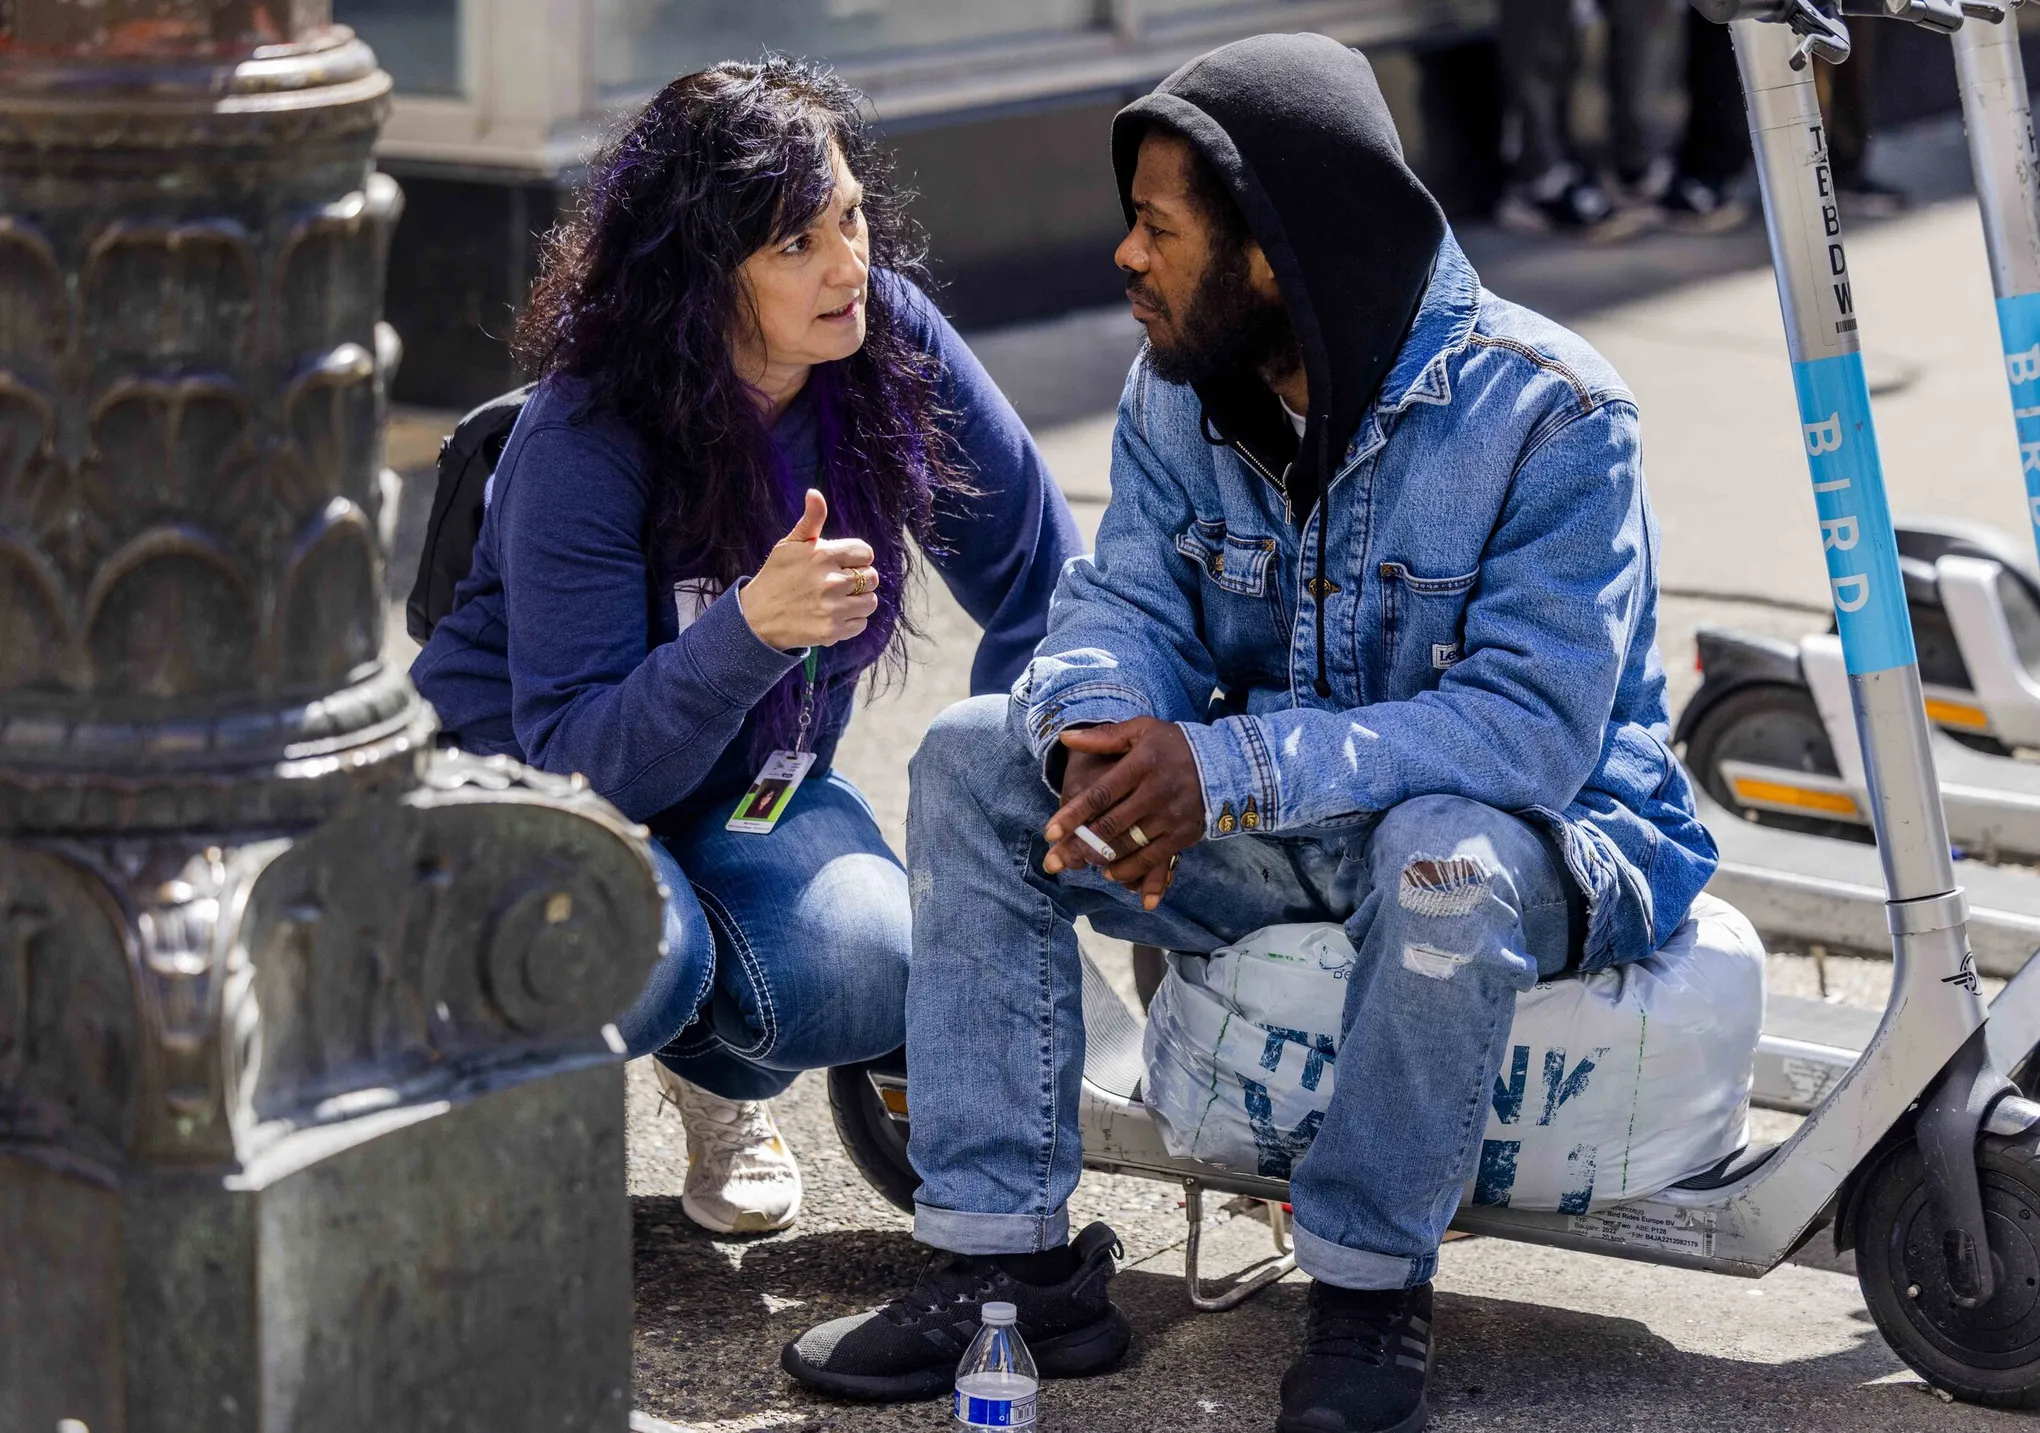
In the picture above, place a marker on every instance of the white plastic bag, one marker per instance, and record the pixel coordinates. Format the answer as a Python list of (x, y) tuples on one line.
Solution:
[(1240, 1045), (1613, 1086)]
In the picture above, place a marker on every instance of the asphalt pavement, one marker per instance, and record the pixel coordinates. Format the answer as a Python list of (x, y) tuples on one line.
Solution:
[(1528, 1338)]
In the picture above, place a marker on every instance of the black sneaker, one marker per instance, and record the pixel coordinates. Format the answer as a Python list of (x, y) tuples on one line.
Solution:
[(1868, 198), (1566, 202), (1694, 206), (910, 1348), (1646, 188), (1366, 1356)]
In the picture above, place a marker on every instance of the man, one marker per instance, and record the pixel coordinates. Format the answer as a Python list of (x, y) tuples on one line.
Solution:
[(1368, 637)]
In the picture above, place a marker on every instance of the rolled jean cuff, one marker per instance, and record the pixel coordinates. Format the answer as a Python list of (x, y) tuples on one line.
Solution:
[(981, 1234), (1357, 1268)]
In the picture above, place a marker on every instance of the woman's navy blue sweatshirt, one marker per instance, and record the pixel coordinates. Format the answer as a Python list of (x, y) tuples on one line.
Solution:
[(566, 646)]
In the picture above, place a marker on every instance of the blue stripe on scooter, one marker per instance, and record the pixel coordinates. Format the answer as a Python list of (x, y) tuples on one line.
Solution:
[(2019, 325), (1855, 519)]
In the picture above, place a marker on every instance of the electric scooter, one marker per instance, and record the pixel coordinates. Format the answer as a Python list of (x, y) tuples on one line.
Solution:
[(1922, 1155), (1768, 734)]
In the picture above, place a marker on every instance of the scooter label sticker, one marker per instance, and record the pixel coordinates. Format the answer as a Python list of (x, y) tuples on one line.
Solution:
[(2019, 325), (1638, 1225), (1855, 520)]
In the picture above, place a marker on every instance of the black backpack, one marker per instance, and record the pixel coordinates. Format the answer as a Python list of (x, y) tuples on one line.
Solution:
[(466, 459)]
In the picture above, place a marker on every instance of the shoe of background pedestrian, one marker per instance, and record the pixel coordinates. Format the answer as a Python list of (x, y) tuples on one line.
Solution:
[(741, 1177), (909, 1349), (1365, 1361), (1647, 189), (1694, 206), (1566, 202), (1867, 198)]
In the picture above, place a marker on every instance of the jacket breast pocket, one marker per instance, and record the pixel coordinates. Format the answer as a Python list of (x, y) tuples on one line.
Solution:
[(1241, 599), (1423, 626)]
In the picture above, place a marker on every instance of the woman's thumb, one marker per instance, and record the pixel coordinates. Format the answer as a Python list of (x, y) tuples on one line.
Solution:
[(809, 528)]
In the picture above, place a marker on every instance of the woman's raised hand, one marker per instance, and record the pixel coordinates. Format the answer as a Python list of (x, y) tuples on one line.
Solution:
[(812, 591)]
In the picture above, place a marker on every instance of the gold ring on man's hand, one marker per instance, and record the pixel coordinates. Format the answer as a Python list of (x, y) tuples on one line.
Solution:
[(1139, 836)]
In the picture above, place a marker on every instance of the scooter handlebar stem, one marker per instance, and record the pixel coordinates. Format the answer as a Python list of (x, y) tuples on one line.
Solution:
[(1803, 216), (1935, 1000), (1997, 114)]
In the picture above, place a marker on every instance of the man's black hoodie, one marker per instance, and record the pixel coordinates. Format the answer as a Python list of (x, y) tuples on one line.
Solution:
[(1296, 127)]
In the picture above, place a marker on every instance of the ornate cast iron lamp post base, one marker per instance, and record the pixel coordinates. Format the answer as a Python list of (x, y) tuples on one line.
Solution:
[(311, 1113)]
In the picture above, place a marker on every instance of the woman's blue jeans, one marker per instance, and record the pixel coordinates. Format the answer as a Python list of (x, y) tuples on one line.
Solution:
[(784, 952)]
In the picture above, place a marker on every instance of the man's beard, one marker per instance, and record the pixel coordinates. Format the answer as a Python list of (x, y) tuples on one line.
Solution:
[(1227, 330)]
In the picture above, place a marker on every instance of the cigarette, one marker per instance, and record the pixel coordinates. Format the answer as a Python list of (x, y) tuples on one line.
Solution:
[(1090, 838)]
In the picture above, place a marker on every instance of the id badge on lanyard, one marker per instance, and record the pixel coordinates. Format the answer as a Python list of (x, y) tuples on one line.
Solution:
[(772, 790)]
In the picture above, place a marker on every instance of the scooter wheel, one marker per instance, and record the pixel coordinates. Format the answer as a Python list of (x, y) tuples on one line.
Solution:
[(1989, 1354), (1768, 724), (874, 1140)]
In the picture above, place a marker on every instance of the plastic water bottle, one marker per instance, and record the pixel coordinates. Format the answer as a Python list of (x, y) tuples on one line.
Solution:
[(996, 1382)]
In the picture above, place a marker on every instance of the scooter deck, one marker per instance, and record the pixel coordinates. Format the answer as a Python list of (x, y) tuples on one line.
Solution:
[(1806, 1047), (1120, 1135)]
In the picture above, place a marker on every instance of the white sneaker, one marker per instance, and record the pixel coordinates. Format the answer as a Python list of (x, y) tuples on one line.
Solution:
[(741, 1177)]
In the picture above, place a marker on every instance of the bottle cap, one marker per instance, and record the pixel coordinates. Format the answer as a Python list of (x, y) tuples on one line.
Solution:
[(1001, 1315)]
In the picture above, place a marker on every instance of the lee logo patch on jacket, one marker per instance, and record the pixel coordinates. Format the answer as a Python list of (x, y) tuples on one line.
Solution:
[(1445, 654)]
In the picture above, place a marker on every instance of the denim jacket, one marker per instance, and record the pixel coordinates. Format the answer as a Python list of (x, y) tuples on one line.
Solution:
[(1490, 612)]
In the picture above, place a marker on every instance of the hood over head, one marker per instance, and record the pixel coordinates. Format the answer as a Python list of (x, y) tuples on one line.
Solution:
[(1296, 128)]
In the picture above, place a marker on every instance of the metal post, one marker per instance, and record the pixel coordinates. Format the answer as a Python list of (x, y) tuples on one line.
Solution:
[(1998, 115), (310, 1107)]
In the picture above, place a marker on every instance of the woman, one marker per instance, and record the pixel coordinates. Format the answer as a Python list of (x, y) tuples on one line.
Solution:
[(698, 539)]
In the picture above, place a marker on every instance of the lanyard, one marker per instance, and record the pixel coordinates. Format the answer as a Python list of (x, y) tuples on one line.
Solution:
[(807, 698)]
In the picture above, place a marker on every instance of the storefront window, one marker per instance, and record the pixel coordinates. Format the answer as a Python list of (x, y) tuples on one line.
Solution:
[(644, 43), (418, 41)]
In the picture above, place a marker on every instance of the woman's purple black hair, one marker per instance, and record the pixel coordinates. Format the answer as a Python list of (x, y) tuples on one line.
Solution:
[(639, 293)]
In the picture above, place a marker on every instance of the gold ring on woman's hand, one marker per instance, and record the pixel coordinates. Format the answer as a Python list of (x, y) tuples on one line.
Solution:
[(1139, 836), (857, 587)]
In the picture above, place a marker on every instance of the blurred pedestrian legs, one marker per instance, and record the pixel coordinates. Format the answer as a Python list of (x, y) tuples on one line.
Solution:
[(1552, 189), (1847, 93), (1716, 147)]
